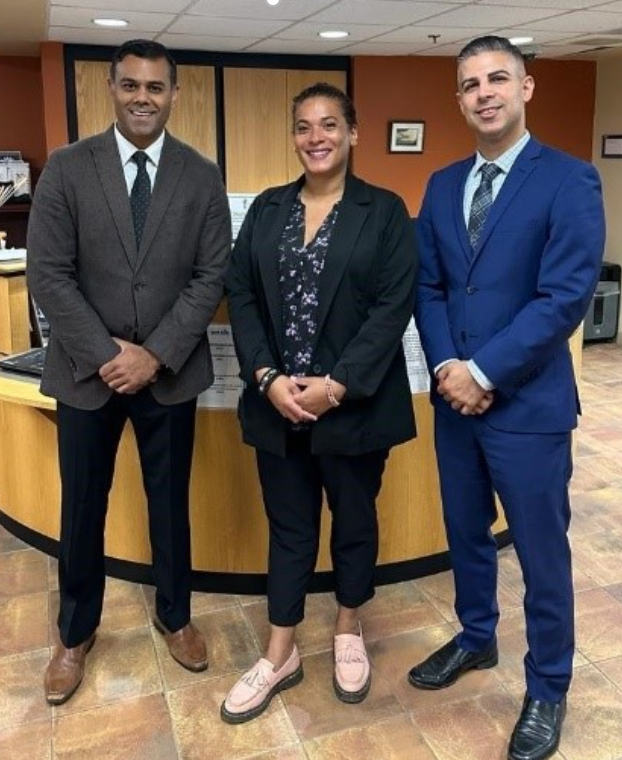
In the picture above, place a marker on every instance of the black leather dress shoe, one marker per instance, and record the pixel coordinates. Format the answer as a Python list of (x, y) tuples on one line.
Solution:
[(538, 730), (447, 664)]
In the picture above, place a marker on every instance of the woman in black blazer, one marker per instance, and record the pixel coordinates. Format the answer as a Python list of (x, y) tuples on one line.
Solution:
[(320, 291)]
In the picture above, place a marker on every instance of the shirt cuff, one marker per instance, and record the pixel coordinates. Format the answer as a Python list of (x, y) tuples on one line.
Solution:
[(440, 366), (479, 377)]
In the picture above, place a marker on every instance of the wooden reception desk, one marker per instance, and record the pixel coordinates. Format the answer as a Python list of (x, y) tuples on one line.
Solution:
[(229, 529)]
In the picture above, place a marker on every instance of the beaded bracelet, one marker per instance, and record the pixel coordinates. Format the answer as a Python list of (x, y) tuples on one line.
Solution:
[(267, 379), (329, 392)]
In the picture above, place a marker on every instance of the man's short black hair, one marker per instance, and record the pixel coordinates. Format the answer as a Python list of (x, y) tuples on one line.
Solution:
[(491, 44), (143, 49)]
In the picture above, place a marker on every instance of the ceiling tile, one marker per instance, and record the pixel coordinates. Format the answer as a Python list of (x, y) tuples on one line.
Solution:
[(425, 35), (387, 11), (580, 22), (147, 6), (490, 16), (228, 27), (300, 47), (95, 37), (259, 9), (206, 43), (83, 17), (560, 5), (309, 30)]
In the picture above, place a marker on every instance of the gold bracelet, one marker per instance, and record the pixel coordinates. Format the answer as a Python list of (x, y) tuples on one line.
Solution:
[(329, 392)]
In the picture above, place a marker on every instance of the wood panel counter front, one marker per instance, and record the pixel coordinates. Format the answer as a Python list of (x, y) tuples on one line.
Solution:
[(229, 529)]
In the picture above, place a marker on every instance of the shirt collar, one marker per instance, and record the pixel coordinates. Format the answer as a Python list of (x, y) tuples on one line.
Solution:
[(506, 160), (127, 149)]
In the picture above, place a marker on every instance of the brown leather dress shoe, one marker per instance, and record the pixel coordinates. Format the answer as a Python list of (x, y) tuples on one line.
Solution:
[(187, 646), (65, 672)]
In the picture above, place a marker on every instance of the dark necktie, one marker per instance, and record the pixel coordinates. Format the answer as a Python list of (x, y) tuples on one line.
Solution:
[(141, 195), (482, 201)]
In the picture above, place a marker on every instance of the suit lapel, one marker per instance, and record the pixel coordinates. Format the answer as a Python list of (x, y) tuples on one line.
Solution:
[(353, 212), (108, 165), (273, 221), (166, 185), (458, 206), (521, 169)]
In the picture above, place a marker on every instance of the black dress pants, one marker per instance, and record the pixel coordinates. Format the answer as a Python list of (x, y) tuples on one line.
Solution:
[(87, 442), (292, 491)]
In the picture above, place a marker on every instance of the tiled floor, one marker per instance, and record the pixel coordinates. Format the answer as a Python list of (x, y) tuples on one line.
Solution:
[(136, 704)]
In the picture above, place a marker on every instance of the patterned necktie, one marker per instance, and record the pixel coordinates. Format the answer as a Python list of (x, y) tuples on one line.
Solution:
[(140, 195), (482, 201)]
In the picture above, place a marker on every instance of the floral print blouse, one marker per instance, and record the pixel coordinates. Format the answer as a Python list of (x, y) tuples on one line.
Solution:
[(300, 268)]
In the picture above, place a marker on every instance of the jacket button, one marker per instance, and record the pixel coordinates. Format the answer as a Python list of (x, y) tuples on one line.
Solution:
[(317, 368), (471, 289)]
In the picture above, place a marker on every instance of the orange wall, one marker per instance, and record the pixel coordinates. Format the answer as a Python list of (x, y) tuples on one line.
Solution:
[(423, 89), (21, 108), (54, 100)]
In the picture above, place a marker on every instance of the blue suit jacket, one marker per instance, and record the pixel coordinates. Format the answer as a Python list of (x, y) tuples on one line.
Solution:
[(512, 304)]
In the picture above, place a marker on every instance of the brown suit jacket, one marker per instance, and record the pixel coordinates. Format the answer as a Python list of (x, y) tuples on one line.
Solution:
[(92, 284)]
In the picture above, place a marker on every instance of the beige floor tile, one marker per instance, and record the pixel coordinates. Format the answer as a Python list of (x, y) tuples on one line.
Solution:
[(598, 555), (8, 542), (314, 634), (230, 645), (195, 710), (246, 599), (440, 590), (612, 669), (295, 752), (396, 609), (586, 477), (32, 741), (393, 739), (393, 657), (120, 666), (315, 710), (598, 625), (615, 590), (23, 572), (200, 603), (477, 728), (52, 574), (134, 729), (23, 623), (21, 689), (592, 726)]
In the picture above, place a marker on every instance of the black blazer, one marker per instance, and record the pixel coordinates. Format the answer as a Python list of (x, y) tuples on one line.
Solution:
[(366, 300)]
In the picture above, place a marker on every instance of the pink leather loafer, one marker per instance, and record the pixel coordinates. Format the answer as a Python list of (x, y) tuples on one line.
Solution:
[(352, 677), (252, 694)]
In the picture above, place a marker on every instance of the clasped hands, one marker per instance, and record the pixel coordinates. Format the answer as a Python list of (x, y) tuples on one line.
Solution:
[(459, 389), (131, 369), (302, 399)]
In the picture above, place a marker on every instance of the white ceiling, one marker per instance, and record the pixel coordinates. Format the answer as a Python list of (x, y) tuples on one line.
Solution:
[(560, 28)]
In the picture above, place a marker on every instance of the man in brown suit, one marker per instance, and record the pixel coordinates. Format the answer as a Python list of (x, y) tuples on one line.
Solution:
[(128, 241)]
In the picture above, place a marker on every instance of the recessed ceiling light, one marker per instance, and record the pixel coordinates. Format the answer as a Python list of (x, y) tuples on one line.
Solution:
[(521, 40), (110, 22), (272, 2), (334, 35)]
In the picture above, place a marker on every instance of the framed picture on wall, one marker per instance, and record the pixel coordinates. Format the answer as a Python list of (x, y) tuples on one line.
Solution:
[(406, 136), (612, 146)]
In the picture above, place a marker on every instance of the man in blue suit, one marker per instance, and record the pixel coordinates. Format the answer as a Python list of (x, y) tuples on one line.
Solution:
[(511, 242)]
